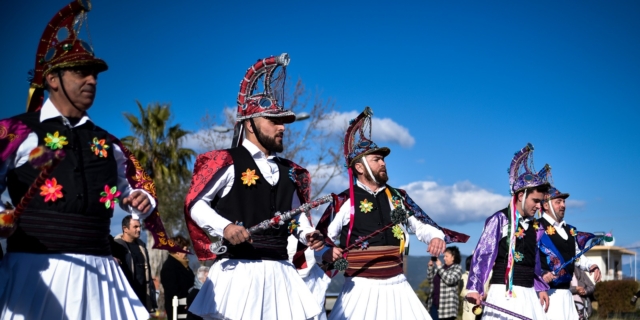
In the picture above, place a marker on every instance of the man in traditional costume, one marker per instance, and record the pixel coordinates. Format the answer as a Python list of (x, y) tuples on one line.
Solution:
[(59, 263), (241, 187), (508, 246), (561, 243), (375, 286)]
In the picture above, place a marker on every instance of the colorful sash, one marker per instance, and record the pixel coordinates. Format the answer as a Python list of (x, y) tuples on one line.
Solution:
[(380, 262)]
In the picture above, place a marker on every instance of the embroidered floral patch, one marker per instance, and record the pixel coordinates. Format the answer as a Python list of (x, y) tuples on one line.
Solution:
[(51, 190), (249, 177), (572, 231), (366, 206), (110, 196), (98, 147), (551, 230), (397, 232), (55, 140), (518, 256), (293, 226), (520, 233)]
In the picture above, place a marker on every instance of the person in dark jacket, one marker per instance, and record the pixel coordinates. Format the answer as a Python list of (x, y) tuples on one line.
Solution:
[(177, 278), (133, 257)]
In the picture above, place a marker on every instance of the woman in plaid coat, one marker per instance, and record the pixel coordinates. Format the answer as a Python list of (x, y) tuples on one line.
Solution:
[(443, 301)]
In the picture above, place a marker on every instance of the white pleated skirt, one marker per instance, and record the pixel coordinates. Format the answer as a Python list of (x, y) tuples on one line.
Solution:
[(561, 305), (250, 289), (317, 281), (65, 286), (375, 299), (525, 303)]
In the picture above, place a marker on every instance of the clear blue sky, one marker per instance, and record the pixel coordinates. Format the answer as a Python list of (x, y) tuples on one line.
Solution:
[(471, 81)]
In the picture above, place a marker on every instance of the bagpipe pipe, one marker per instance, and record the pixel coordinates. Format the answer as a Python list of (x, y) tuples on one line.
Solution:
[(44, 160), (277, 220), (477, 310), (596, 240), (398, 216)]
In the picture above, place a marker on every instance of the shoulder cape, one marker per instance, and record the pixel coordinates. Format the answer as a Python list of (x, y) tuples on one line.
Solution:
[(12, 133), (450, 236), (553, 256), (206, 166)]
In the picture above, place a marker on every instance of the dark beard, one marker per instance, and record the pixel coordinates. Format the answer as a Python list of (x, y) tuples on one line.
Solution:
[(380, 179), (270, 143)]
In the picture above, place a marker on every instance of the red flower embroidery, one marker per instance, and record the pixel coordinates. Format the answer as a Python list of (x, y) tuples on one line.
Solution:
[(51, 190), (110, 196)]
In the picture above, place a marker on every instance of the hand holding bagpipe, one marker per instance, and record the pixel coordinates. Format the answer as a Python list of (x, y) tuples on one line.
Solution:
[(44, 160), (607, 237), (236, 233), (398, 216)]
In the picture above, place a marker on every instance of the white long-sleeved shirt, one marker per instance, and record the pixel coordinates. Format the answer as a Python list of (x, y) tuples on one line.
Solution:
[(424, 232), (220, 185), (583, 262), (21, 156)]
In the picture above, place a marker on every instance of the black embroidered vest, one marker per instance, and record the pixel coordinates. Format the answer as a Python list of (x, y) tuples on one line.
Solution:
[(567, 249), (78, 222), (524, 261), (254, 204), (365, 223)]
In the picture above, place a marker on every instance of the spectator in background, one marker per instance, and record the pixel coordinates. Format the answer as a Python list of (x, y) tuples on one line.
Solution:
[(176, 277), (133, 258), (444, 300), (582, 288)]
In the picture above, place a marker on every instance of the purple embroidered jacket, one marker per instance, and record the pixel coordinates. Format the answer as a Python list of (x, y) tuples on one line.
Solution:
[(486, 251)]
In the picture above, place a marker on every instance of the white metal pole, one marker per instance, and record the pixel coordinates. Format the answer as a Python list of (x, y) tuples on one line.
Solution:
[(174, 303), (608, 262)]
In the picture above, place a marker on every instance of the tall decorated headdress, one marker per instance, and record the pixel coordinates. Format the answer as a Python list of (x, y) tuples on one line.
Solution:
[(553, 193), (357, 139), (522, 176), (269, 102), (61, 47)]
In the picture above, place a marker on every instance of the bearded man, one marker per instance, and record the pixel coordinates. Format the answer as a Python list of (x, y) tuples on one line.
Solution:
[(240, 187)]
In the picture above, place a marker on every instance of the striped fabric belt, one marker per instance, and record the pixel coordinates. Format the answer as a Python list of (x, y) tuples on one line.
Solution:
[(45, 231), (379, 262)]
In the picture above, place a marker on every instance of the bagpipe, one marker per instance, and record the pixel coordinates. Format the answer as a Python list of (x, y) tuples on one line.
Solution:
[(596, 240), (277, 220)]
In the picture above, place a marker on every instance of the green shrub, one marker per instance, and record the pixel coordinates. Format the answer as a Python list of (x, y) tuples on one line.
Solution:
[(614, 296)]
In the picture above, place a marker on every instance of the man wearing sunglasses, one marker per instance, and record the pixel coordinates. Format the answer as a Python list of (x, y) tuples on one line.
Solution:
[(59, 263), (238, 188)]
